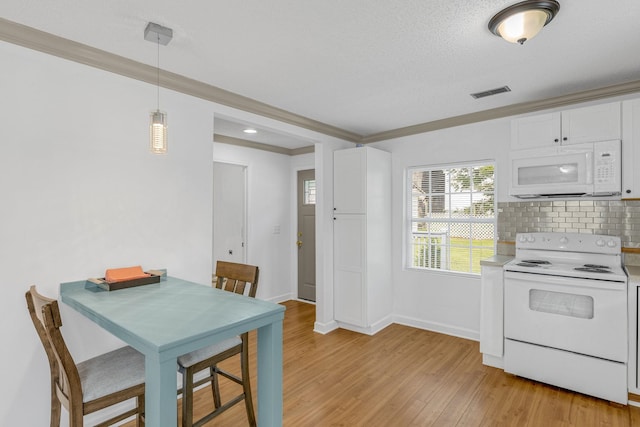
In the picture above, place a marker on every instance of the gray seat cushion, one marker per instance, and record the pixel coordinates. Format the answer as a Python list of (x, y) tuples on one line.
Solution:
[(196, 356), (111, 372)]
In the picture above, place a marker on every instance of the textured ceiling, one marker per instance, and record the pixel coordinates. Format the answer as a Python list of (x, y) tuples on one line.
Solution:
[(366, 66)]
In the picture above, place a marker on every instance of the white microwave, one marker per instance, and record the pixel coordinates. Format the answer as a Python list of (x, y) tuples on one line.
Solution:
[(574, 170)]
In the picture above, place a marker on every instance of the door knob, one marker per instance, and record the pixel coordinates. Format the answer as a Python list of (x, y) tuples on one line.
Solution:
[(299, 243)]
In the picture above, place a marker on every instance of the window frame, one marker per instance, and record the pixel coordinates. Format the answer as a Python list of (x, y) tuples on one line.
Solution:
[(408, 246)]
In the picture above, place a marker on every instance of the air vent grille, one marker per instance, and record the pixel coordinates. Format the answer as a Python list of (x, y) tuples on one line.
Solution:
[(491, 92)]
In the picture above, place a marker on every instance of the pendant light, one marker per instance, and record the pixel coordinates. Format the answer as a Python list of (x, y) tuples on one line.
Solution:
[(522, 21), (158, 141)]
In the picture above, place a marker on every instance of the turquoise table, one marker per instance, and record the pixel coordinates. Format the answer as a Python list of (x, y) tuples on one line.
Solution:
[(167, 319)]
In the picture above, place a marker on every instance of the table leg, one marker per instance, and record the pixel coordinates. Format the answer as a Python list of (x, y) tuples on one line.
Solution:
[(160, 392), (270, 375)]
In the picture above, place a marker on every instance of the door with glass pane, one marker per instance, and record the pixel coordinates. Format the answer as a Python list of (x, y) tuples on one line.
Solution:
[(306, 235)]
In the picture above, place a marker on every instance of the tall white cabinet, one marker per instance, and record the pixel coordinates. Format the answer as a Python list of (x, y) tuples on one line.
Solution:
[(363, 294)]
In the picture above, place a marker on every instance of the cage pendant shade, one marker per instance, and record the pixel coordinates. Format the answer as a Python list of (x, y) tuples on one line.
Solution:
[(523, 21), (158, 132)]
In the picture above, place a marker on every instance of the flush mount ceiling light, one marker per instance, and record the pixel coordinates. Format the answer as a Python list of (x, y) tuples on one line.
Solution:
[(158, 127), (522, 21), (249, 130)]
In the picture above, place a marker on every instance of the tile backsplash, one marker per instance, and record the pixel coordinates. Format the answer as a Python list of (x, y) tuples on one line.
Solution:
[(608, 217)]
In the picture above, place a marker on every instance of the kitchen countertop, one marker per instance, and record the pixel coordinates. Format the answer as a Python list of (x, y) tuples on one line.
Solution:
[(634, 273), (500, 260)]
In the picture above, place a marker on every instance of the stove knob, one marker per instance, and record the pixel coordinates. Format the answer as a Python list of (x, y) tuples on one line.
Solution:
[(600, 242), (611, 243), (523, 238), (531, 239), (564, 240)]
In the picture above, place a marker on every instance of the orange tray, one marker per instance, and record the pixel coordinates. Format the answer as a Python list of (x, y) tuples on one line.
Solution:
[(154, 278)]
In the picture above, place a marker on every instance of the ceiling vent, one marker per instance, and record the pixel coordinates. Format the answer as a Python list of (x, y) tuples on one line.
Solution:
[(491, 92)]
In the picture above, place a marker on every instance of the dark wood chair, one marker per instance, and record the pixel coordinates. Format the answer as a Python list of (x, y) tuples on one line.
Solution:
[(89, 386), (236, 278)]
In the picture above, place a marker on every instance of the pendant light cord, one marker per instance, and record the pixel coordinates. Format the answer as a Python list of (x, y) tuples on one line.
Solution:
[(158, 68)]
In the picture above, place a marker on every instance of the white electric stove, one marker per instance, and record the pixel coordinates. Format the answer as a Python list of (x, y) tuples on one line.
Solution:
[(565, 308)]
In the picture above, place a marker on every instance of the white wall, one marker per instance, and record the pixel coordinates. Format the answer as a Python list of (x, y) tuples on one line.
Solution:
[(271, 204), (298, 163), (444, 302), (81, 193), (273, 177), (324, 234), (439, 301)]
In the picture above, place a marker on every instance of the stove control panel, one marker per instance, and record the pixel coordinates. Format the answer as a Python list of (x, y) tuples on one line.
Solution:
[(574, 242)]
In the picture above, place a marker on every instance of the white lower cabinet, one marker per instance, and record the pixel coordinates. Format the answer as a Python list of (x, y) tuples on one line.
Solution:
[(491, 315), (349, 254), (633, 379)]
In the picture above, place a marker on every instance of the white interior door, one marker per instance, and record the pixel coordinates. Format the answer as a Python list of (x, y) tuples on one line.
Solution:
[(229, 212)]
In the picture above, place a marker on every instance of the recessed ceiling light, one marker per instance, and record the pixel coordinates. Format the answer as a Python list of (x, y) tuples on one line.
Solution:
[(249, 130)]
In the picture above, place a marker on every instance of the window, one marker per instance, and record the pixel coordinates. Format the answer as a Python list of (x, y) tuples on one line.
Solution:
[(452, 217), (309, 192)]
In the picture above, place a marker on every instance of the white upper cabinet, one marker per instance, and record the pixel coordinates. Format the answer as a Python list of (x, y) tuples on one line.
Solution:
[(588, 124), (535, 131), (349, 177), (591, 124)]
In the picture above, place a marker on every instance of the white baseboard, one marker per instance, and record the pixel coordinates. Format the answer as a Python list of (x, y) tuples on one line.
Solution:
[(369, 330), (438, 327), (280, 298), (325, 328), (493, 361)]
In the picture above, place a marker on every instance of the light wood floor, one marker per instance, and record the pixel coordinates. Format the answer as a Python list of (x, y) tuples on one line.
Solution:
[(404, 376)]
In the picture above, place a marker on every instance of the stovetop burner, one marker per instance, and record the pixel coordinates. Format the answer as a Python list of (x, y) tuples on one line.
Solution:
[(593, 269), (528, 264), (596, 266), (568, 266)]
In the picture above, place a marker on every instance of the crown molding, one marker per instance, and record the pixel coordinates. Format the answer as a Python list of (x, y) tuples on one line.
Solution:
[(224, 139), (302, 150), (41, 41), (508, 110)]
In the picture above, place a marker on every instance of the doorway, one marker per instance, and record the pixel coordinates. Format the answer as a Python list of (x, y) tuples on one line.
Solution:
[(229, 212), (306, 235)]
